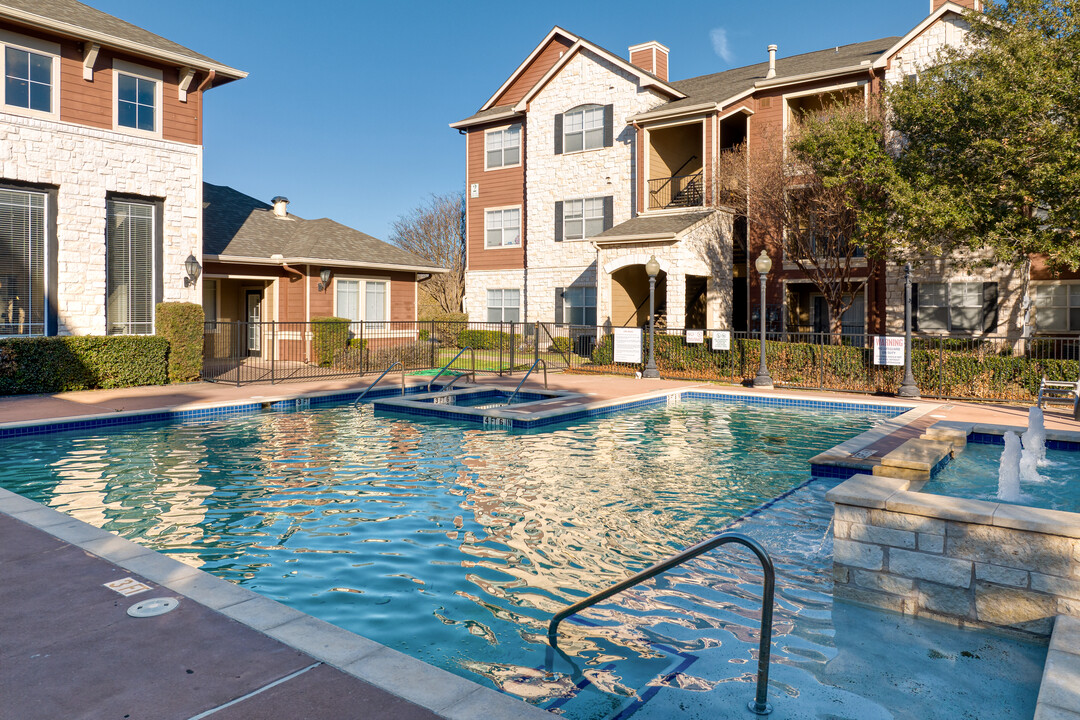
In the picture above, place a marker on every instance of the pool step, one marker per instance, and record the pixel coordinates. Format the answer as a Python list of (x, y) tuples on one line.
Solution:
[(916, 459)]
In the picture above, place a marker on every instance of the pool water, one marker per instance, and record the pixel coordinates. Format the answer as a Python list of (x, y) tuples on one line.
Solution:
[(973, 474), (456, 545)]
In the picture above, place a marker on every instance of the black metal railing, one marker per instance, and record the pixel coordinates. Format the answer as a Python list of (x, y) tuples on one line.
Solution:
[(678, 191)]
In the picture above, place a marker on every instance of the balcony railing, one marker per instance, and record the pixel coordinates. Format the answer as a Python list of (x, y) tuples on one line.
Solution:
[(679, 191)]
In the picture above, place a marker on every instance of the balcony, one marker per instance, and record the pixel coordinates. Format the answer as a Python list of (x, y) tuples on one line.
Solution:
[(679, 191)]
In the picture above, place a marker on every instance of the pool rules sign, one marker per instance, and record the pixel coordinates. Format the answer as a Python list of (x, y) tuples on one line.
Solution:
[(627, 345), (888, 350)]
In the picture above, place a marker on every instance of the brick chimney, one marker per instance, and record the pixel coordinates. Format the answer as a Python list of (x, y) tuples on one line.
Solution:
[(651, 57), (976, 5)]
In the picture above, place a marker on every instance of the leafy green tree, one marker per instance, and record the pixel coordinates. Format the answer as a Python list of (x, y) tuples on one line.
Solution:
[(989, 139)]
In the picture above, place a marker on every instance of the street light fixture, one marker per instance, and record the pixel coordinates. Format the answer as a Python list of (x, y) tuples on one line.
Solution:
[(652, 269), (908, 388), (763, 265)]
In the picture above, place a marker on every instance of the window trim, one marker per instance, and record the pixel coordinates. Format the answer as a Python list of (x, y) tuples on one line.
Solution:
[(122, 67), (40, 47), (363, 280), (980, 330), (502, 308), (51, 274), (1035, 285), (786, 98), (521, 229), (157, 288), (584, 217), (582, 109), (584, 291), (503, 129)]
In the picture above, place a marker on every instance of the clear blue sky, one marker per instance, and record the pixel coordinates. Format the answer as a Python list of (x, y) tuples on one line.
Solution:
[(346, 106)]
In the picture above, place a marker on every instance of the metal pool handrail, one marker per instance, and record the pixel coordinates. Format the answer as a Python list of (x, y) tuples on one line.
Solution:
[(450, 384), (472, 354), (759, 705), (356, 404), (529, 372)]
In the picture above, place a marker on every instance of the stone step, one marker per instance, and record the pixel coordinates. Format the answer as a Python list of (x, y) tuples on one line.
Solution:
[(918, 454)]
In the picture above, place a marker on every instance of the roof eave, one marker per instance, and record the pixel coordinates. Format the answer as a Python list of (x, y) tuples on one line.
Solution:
[(819, 75), (494, 117), (929, 20), (224, 72), (255, 260), (642, 238), (521, 68), (673, 113)]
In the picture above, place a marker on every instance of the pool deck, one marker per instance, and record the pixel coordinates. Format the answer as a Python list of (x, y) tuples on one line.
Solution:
[(71, 650)]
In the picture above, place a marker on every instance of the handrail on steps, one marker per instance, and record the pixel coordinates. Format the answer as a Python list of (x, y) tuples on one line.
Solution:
[(529, 372), (759, 705), (356, 404), (443, 369), (450, 384)]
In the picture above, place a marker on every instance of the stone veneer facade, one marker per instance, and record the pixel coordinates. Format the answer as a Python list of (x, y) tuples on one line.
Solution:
[(964, 562), (586, 79), (478, 282), (86, 165)]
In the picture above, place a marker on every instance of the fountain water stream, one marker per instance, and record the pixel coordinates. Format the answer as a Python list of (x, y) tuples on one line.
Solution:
[(1009, 472)]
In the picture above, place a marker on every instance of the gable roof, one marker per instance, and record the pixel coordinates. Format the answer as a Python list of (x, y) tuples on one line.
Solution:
[(239, 228), (947, 7), (579, 43), (646, 228), (75, 19)]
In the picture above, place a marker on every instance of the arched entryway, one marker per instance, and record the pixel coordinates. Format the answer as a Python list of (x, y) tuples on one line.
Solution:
[(630, 296)]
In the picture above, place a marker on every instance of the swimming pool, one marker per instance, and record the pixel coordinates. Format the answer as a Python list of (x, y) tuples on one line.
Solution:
[(470, 539)]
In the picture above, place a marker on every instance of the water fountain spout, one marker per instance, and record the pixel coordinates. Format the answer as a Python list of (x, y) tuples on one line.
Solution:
[(1035, 437), (1009, 472)]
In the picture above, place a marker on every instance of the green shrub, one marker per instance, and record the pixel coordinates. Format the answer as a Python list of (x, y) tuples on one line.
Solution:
[(412, 355), (560, 345), (57, 364), (604, 351), (444, 327), (331, 336), (487, 340), (182, 324)]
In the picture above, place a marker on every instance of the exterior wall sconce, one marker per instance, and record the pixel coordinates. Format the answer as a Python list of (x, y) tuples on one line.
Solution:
[(324, 276), (193, 269)]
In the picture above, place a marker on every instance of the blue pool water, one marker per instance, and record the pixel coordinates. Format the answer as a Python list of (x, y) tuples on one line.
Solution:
[(456, 545), (974, 474)]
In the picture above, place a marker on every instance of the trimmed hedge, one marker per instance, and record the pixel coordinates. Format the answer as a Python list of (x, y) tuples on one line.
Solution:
[(331, 336), (57, 364), (560, 345), (182, 324), (493, 340)]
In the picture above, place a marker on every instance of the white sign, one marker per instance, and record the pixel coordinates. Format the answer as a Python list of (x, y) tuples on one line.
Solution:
[(695, 337), (888, 350), (627, 345), (474, 190), (721, 340)]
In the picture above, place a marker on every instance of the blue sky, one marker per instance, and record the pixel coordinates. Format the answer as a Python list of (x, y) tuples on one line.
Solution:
[(346, 107)]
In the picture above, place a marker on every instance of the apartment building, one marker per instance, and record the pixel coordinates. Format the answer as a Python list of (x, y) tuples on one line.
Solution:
[(584, 164)]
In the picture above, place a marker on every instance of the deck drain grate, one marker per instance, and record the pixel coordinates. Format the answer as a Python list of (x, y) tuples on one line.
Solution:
[(152, 607)]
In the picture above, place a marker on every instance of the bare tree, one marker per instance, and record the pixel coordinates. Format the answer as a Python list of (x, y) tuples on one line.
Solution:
[(434, 231), (821, 196)]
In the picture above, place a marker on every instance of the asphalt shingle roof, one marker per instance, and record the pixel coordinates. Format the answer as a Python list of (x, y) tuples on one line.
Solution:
[(652, 225), (84, 16), (235, 224)]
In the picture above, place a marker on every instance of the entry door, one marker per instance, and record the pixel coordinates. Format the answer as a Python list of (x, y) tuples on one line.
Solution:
[(821, 314), (253, 304)]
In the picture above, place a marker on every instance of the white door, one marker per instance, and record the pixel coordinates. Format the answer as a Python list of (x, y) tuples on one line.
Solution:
[(253, 299)]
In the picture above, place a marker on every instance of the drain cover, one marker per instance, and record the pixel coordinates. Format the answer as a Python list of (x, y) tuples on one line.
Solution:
[(152, 607)]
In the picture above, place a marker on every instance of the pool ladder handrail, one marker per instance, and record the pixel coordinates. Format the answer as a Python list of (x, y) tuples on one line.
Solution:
[(450, 384), (356, 403), (759, 705), (527, 373), (443, 369)]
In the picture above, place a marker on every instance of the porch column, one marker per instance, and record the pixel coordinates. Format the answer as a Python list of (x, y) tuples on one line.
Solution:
[(676, 299)]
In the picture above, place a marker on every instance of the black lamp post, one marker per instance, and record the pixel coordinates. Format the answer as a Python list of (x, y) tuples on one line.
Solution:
[(652, 269), (763, 265), (908, 388)]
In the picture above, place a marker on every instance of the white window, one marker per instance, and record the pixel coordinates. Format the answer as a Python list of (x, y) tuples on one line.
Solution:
[(137, 98), (130, 262), (502, 148), (362, 300), (1057, 308), (22, 262), (583, 218), (31, 75), (956, 307), (503, 228), (504, 305), (583, 129), (579, 305)]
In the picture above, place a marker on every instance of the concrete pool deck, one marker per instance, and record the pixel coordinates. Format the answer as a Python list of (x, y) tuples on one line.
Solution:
[(225, 652)]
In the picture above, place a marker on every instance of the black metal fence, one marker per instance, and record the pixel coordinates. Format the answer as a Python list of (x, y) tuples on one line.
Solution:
[(959, 367)]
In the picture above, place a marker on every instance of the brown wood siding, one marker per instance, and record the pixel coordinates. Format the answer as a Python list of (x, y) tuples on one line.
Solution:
[(661, 65), (498, 188), (643, 59), (642, 181), (708, 163), (543, 62), (91, 103), (403, 297)]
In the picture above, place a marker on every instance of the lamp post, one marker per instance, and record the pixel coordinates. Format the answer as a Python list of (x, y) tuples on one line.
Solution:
[(763, 265), (908, 388), (652, 269)]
